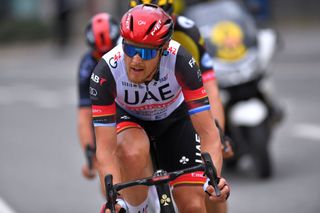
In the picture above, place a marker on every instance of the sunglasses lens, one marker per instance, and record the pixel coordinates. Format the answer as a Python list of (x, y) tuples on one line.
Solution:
[(129, 50), (148, 54), (144, 53)]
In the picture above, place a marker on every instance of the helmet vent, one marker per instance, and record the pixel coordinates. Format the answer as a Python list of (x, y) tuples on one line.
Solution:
[(150, 28), (151, 5), (102, 39), (168, 35), (131, 24)]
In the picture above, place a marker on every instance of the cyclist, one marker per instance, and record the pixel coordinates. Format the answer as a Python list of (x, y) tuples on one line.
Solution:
[(188, 35), (102, 33), (149, 88)]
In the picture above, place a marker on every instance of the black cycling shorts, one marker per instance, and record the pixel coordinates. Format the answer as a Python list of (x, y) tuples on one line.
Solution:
[(174, 142)]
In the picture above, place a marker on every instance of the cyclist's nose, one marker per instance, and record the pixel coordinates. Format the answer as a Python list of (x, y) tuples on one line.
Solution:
[(137, 58)]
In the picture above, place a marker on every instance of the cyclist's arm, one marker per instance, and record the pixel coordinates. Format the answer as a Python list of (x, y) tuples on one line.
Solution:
[(103, 112), (189, 77), (211, 86), (210, 140), (217, 109), (85, 129)]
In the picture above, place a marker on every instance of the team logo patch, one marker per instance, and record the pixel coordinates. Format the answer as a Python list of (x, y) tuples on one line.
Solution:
[(165, 200), (184, 160)]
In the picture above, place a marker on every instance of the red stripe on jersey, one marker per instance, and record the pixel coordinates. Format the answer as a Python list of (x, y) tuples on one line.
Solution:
[(98, 111), (208, 75), (125, 125), (191, 178), (190, 95)]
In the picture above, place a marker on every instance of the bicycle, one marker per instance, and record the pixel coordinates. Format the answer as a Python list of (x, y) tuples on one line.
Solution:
[(161, 178)]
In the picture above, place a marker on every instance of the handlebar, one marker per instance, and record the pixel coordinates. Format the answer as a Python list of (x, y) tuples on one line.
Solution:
[(222, 135), (159, 178)]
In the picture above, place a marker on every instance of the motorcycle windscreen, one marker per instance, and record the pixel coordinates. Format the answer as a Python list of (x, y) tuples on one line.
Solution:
[(230, 35)]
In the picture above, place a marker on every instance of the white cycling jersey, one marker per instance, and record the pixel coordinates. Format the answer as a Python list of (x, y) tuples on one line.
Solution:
[(178, 79), (154, 100)]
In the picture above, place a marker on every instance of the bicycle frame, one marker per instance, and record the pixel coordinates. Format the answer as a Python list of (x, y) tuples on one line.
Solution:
[(161, 178)]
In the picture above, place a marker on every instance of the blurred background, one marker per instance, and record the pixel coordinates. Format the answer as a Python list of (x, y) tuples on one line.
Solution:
[(41, 43)]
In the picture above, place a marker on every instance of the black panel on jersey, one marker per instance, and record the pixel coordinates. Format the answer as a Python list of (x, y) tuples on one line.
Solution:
[(102, 85), (187, 71)]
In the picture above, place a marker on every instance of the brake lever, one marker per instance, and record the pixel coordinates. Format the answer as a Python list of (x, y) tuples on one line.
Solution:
[(90, 151), (211, 173), (222, 136), (111, 194)]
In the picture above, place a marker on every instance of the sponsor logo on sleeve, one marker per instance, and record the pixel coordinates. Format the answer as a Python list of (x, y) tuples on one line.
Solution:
[(192, 62), (93, 91)]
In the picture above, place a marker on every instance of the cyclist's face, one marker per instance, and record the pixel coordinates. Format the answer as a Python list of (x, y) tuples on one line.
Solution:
[(141, 64)]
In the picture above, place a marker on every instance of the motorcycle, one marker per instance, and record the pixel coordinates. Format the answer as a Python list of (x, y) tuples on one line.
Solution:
[(241, 56)]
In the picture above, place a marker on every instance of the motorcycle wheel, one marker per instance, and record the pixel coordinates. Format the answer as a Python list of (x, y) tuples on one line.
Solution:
[(231, 163), (259, 138)]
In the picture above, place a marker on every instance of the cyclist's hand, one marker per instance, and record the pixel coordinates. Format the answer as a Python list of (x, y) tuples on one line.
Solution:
[(224, 188), (118, 208), (87, 172), (227, 150)]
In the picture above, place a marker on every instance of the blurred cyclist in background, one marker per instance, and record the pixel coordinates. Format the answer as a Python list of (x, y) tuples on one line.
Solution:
[(102, 34), (188, 35)]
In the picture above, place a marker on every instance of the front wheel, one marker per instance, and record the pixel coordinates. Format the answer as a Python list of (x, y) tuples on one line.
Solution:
[(259, 138)]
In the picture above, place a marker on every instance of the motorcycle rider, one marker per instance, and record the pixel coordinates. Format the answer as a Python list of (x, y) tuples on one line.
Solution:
[(241, 55), (188, 35), (150, 87), (102, 33)]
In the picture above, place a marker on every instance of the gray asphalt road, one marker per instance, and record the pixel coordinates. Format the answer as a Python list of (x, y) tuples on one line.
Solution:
[(40, 158)]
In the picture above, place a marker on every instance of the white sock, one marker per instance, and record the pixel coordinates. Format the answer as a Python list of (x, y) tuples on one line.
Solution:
[(150, 204)]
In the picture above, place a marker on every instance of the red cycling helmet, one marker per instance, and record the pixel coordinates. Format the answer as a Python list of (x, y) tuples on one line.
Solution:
[(102, 32), (147, 24)]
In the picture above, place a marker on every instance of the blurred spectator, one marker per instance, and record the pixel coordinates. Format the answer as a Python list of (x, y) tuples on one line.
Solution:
[(64, 9), (91, 6), (4, 8)]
